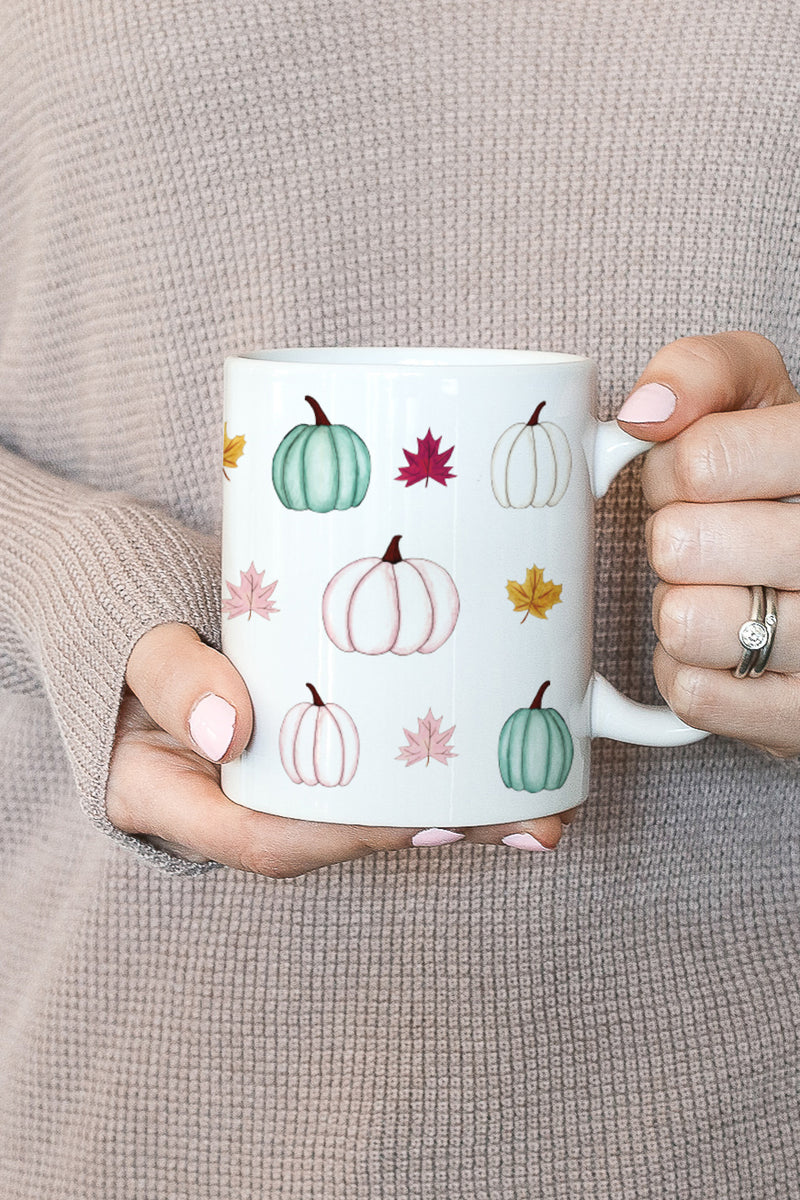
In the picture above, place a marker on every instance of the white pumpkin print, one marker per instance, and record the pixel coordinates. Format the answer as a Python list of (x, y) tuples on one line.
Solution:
[(319, 743), (377, 605), (531, 464)]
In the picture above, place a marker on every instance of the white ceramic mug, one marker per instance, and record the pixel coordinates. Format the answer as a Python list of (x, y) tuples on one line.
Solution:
[(408, 561)]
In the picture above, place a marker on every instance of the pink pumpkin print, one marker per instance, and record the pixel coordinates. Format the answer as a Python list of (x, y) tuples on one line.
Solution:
[(377, 605), (319, 743)]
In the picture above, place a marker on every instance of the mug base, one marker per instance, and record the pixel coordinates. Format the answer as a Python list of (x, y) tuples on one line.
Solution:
[(523, 806)]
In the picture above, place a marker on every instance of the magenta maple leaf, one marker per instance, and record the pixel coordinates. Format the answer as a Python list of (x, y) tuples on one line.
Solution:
[(427, 463), (430, 741), (249, 595)]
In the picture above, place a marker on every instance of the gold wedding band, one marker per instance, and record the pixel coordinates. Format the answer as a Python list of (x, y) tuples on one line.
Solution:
[(757, 634)]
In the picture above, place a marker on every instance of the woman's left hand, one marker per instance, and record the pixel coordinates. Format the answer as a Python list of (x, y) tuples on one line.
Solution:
[(727, 419)]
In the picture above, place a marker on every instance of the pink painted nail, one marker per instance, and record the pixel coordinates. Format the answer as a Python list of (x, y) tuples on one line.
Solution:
[(649, 404), (436, 837), (525, 841), (211, 725)]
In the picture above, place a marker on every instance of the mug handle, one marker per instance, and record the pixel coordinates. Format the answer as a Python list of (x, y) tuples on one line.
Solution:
[(611, 714)]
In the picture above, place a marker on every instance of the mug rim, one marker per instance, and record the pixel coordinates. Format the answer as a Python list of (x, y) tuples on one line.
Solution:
[(409, 356)]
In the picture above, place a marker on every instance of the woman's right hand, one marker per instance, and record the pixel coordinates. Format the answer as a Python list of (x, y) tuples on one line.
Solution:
[(185, 710)]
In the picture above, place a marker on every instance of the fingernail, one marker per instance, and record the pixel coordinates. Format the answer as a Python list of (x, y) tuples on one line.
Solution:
[(525, 841), (435, 837), (211, 725), (649, 404)]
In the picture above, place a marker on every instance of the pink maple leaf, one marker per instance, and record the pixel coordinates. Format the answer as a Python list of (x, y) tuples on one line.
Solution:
[(427, 463), (430, 741), (249, 595)]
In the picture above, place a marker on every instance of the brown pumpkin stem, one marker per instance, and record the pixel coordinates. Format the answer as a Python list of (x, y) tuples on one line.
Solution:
[(393, 554), (538, 701), (318, 413), (315, 695), (535, 418)]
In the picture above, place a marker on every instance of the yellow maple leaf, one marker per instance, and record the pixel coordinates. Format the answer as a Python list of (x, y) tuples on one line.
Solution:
[(233, 451), (536, 595)]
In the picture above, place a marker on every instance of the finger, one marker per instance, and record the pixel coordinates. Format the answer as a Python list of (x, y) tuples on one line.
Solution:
[(728, 456), (698, 375), (699, 626), (191, 691), (738, 543), (161, 790), (538, 834), (763, 712)]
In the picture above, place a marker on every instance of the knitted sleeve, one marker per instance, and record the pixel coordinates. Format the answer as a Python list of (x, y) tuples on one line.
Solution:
[(83, 574)]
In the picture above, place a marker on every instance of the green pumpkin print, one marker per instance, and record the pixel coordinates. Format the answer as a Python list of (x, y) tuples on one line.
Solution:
[(535, 749), (321, 467)]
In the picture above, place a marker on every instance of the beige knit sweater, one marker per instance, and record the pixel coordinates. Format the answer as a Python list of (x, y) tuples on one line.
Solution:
[(184, 179)]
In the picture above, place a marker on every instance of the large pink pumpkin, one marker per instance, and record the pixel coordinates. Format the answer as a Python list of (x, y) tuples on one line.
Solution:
[(319, 743), (377, 605)]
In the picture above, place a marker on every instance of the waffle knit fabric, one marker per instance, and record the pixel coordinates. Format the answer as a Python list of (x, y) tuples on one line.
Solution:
[(183, 180)]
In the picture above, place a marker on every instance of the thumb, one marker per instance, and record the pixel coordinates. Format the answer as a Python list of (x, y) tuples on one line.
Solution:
[(191, 691), (705, 374)]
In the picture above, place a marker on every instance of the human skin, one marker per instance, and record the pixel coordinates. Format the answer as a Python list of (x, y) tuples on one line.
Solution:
[(728, 422), (727, 456)]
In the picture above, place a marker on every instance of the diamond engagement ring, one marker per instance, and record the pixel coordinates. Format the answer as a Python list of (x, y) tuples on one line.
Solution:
[(757, 635)]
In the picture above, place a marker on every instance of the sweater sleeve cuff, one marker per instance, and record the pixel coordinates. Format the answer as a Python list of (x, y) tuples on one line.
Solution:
[(89, 574)]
